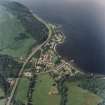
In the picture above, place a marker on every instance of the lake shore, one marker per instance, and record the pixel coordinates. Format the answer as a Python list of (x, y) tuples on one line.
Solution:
[(71, 61)]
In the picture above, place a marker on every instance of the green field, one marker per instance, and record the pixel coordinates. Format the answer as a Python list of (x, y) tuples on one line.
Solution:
[(79, 96), (2, 101), (21, 93), (10, 29), (1, 92), (41, 94)]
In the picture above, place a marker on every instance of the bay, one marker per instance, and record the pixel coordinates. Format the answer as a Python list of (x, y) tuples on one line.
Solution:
[(83, 23)]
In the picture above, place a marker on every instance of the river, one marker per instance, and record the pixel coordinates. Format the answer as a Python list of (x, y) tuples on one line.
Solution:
[(83, 22)]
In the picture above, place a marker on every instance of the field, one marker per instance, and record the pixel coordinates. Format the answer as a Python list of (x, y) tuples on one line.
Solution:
[(1, 92), (2, 101), (41, 94), (14, 40), (79, 96), (21, 93)]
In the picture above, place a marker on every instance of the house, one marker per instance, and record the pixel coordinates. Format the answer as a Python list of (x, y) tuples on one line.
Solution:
[(27, 74)]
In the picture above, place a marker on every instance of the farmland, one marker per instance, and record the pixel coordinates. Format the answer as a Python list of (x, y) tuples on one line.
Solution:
[(21, 93), (2, 100), (41, 95), (79, 96)]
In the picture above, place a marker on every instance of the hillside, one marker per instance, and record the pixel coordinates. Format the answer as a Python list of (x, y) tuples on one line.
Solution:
[(19, 32)]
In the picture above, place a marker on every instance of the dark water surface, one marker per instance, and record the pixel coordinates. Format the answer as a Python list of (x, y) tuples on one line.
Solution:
[(84, 26)]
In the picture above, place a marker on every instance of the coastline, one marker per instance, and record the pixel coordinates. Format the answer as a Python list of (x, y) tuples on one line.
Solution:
[(74, 65), (65, 59), (39, 47)]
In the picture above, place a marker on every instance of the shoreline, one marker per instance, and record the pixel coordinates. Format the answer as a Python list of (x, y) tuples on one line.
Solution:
[(37, 48), (64, 58), (74, 65)]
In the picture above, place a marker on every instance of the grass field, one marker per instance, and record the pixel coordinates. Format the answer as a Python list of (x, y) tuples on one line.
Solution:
[(21, 93), (10, 28), (2, 101), (1, 92), (79, 96), (41, 93)]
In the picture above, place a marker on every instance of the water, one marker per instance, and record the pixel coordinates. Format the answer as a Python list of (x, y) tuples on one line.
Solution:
[(83, 23)]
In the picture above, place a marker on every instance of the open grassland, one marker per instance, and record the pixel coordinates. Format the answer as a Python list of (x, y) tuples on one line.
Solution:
[(2, 101), (22, 89), (79, 96), (1, 92), (41, 94), (14, 40)]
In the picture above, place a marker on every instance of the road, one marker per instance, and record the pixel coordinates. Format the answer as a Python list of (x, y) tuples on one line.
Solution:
[(27, 60)]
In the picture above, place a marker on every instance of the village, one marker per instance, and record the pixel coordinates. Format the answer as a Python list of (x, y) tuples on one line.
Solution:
[(47, 60)]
